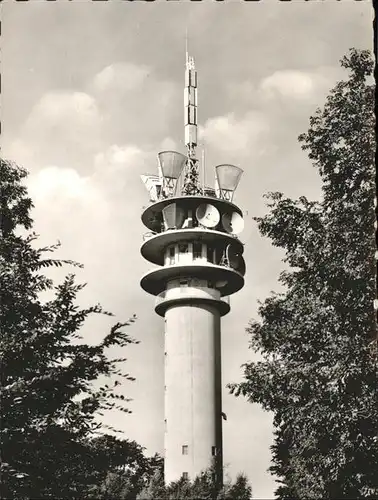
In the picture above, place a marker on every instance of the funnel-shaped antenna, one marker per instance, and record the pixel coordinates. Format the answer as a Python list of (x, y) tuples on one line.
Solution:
[(171, 164), (173, 216), (228, 177)]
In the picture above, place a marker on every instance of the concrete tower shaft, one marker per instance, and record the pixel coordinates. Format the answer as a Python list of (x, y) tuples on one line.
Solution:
[(197, 272), (193, 240), (193, 425)]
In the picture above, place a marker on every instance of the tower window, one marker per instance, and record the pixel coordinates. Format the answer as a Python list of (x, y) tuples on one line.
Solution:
[(197, 250), (185, 253), (184, 449), (185, 475), (171, 255), (183, 248), (210, 254), (213, 450)]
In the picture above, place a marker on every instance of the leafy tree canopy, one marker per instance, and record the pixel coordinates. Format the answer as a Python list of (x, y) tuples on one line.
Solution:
[(202, 487), (318, 338), (49, 403)]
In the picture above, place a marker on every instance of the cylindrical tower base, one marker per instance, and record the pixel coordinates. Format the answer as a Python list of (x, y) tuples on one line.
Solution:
[(193, 420)]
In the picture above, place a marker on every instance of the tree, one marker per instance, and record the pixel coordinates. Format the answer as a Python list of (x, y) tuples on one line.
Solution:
[(49, 404), (318, 338), (240, 490), (155, 488), (123, 468), (204, 486)]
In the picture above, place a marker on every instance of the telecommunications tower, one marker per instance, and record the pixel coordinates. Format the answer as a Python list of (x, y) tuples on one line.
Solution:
[(193, 238)]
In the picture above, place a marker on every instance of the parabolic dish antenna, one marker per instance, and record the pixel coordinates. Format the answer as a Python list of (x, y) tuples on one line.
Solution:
[(173, 216), (241, 266), (207, 215), (232, 256), (235, 259), (233, 223)]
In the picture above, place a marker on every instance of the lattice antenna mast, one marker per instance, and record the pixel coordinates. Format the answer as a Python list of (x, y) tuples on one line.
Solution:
[(191, 185)]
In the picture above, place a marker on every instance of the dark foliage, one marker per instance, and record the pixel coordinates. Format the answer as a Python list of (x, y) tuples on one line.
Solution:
[(49, 404), (203, 487), (319, 337)]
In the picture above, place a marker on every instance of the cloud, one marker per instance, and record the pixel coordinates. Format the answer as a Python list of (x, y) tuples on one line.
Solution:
[(63, 128), (71, 128), (68, 205), (117, 170), (56, 105), (168, 144), (105, 194), (91, 214), (120, 77), (135, 103), (291, 84), (236, 136), (53, 182), (117, 158)]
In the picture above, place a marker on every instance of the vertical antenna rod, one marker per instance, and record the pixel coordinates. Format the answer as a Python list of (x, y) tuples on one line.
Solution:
[(186, 48), (191, 182), (203, 170)]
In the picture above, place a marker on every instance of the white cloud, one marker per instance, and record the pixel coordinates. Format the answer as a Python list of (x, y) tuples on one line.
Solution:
[(120, 76), (53, 182), (116, 157), (117, 170), (291, 84), (135, 103), (54, 106), (168, 144), (89, 213), (63, 198), (71, 128), (230, 135), (63, 128)]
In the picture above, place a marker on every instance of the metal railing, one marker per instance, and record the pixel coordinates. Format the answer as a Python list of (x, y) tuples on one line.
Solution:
[(149, 235)]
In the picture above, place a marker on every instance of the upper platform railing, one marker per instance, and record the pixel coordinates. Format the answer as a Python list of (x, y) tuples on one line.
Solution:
[(179, 175)]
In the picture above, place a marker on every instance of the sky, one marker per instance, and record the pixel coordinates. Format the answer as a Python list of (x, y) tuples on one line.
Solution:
[(92, 91)]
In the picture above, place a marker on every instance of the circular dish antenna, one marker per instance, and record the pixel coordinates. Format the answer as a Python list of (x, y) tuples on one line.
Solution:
[(173, 216), (207, 215), (233, 223), (235, 259)]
